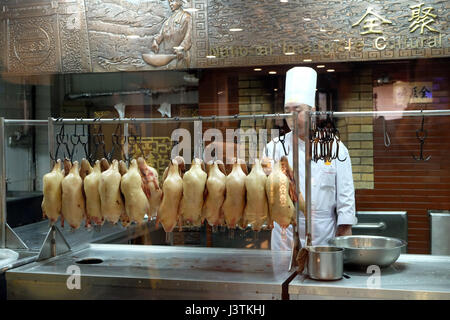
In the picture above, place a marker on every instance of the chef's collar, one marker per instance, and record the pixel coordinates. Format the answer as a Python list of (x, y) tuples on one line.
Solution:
[(301, 143)]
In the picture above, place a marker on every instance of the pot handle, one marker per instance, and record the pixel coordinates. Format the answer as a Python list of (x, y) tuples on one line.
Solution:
[(371, 226)]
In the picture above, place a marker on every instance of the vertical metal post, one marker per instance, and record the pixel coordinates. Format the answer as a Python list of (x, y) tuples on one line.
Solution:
[(51, 139), (296, 236), (125, 135), (198, 139), (308, 157), (295, 164), (2, 184)]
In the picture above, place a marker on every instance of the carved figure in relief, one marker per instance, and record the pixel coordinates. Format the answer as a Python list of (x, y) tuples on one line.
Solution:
[(172, 44)]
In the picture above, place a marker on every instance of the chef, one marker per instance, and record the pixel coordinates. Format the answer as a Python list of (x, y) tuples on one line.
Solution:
[(332, 190), (175, 35)]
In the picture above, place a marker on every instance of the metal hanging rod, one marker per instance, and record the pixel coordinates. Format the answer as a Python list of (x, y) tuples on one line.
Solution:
[(406, 113), (150, 120)]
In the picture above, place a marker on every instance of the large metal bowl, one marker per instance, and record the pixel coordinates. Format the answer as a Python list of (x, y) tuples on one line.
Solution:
[(369, 250), (158, 60)]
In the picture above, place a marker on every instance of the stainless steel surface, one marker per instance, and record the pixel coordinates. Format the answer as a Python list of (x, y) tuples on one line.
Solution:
[(382, 223), (410, 277), (325, 263), (156, 272), (2, 184), (13, 241), (25, 257), (7, 256), (440, 235), (369, 250), (370, 226), (34, 234), (54, 244)]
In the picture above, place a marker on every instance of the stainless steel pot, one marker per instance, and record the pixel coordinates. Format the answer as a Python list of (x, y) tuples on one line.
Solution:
[(325, 263), (369, 250)]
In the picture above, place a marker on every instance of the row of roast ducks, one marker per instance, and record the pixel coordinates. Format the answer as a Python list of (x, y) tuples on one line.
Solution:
[(113, 192)]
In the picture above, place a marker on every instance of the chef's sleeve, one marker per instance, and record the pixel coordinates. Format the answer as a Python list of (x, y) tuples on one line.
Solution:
[(187, 26), (345, 190)]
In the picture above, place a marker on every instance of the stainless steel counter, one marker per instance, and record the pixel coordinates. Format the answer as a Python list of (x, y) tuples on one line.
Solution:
[(156, 272), (33, 235), (410, 277)]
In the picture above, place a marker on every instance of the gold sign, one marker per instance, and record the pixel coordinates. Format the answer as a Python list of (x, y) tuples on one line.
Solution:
[(422, 17), (79, 36), (372, 22)]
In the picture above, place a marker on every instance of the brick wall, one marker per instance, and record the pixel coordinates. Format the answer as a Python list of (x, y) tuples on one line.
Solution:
[(355, 94), (255, 97)]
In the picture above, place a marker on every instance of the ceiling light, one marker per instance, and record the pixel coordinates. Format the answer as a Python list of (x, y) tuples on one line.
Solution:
[(330, 70), (272, 72), (323, 30), (307, 60), (235, 29), (306, 19), (284, 1), (257, 69), (289, 53), (275, 89), (321, 66), (336, 40), (210, 57)]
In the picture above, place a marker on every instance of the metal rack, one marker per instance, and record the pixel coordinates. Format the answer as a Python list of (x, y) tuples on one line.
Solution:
[(310, 119), (55, 243)]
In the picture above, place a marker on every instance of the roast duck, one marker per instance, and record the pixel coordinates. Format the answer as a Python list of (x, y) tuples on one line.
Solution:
[(116, 193)]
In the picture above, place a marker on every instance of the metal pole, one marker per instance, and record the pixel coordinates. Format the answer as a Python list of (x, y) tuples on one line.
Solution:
[(308, 176), (406, 113), (198, 139), (296, 236), (51, 140), (2, 183)]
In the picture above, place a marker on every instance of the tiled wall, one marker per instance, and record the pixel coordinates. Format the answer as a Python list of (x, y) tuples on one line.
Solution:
[(357, 132), (255, 97)]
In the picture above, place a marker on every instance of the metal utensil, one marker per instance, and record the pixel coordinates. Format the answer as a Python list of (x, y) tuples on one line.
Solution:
[(325, 262), (369, 250)]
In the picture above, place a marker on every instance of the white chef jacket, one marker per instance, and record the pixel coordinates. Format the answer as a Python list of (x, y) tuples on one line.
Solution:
[(332, 195)]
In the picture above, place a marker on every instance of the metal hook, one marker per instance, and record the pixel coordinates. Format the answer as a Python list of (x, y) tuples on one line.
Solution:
[(282, 137), (58, 143), (421, 134), (84, 142), (114, 141), (387, 139)]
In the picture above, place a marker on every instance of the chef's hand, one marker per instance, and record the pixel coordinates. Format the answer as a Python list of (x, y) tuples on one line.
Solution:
[(179, 52), (155, 46), (344, 230)]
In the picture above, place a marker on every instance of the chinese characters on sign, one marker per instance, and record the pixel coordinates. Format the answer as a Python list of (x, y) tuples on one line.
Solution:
[(421, 92), (372, 22), (422, 18)]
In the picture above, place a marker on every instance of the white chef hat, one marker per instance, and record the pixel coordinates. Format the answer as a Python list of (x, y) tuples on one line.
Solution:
[(300, 86)]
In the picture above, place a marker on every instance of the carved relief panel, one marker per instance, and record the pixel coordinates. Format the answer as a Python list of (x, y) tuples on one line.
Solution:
[(132, 35), (44, 37)]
